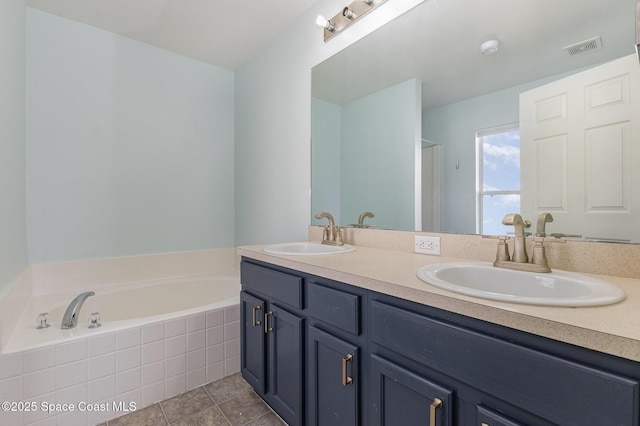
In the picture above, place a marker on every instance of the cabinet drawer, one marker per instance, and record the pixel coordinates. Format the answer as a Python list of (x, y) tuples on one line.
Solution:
[(334, 307), (281, 286), (551, 387), (488, 417)]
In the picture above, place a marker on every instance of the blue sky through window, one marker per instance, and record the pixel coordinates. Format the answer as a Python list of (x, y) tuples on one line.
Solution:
[(500, 172)]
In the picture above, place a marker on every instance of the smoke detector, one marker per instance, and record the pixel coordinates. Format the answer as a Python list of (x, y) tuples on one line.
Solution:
[(489, 47), (584, 46)]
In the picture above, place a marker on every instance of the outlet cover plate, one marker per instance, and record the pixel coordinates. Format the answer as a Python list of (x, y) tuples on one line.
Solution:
[(427, 245)]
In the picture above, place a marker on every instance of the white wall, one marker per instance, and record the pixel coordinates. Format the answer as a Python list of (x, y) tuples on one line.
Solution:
[(13, 234), (129, 147), (273, 123)]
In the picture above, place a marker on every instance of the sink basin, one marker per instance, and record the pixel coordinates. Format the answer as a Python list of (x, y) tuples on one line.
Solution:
[(307, 248), (557, 288)]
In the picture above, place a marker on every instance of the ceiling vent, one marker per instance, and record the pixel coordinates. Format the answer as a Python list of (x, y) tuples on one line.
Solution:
[(584, 46)]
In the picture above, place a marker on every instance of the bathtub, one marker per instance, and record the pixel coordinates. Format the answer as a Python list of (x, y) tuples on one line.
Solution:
[(121, 307), (159, 337)]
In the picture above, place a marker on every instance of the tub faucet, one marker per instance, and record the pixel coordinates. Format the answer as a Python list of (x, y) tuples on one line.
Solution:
[(332, 234), (70, 319)]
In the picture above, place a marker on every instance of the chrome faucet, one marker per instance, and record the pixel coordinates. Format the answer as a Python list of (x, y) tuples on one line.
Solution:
[(70, 319), (543, 219), (332, 234)]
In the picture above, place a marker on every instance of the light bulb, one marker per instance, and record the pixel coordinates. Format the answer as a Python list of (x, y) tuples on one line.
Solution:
[(323, 22), (347, 13)]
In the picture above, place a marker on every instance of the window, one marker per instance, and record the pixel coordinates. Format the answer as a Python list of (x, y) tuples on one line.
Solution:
[(497, 178)]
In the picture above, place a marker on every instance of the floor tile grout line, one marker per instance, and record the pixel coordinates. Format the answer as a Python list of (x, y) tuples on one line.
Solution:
[(215, 404), (163, 413)]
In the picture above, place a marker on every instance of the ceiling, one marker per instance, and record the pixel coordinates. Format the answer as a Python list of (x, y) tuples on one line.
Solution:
[(438, 42), (224, 33)]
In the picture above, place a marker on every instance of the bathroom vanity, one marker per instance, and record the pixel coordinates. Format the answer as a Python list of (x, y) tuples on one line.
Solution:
[(337, 340)]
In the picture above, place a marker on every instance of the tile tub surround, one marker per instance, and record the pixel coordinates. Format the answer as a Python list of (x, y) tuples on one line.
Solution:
[(613, 259), (142, 365), (612, 329)]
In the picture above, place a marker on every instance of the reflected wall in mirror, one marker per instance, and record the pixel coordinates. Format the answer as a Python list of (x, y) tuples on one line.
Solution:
[(396, 118)]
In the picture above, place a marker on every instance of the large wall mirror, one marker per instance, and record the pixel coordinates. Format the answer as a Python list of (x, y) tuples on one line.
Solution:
[(415, 124)]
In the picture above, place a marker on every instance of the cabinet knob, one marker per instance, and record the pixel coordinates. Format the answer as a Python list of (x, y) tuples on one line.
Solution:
[(256, 323), (346, 380), (437, 403)]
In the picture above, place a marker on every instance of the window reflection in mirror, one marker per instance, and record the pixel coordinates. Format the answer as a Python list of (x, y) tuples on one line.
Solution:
[(498, 177)]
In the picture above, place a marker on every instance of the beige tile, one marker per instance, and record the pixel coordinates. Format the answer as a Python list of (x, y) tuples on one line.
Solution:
[(149, 416), (211, 416), (269, 419), (244, 408), (227, 388), (186, 404)]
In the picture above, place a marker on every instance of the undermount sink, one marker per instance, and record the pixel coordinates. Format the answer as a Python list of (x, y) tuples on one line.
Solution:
[(557, 288), (307, 248)]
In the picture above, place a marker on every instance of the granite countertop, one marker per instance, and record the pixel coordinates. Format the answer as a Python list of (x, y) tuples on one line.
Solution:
[(612, 329)]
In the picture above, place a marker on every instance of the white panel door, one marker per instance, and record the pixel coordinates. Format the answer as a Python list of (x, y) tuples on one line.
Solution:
[(580, 152)]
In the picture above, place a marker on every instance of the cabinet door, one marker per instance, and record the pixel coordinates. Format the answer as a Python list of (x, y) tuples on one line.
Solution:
[(253, 353), (334, 368), (286, 355), (402, 397)]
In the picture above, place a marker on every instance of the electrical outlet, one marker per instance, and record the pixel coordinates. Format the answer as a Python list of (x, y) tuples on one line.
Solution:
[(428, 245)]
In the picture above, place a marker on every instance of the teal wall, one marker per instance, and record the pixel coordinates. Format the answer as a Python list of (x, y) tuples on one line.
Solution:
[(326, 141), (13, 231), (129, 147), (380, 133)]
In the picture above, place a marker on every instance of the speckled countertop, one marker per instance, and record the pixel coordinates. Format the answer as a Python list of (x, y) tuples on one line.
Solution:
[(612, 329)]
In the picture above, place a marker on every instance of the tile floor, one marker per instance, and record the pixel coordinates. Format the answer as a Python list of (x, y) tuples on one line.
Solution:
[(226, 402)]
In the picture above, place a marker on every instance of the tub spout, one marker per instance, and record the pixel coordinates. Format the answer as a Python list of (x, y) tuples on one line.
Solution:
[(70, 319)]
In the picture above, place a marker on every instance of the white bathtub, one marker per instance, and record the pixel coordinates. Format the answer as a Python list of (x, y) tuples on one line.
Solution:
[(160, 337), (121, 307)]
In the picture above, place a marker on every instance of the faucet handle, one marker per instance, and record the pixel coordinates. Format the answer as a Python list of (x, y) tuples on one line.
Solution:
[(503, 250)]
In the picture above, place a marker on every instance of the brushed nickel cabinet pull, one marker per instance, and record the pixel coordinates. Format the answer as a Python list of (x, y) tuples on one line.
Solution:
[(267, 329), (437, 403), (256, 323), (346, 380)]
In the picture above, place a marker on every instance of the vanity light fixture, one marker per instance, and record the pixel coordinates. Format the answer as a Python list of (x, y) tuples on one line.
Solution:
[(346, 17), (489, 47), (323, 22)]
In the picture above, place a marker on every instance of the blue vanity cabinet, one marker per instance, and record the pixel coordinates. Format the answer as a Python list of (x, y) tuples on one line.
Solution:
[(500, 376), (325, 353), (336, 344), (404, 397), (272, 338)]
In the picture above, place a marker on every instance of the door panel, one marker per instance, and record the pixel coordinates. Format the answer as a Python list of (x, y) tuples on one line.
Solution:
[(579, 159), (253, 359), (286, 363), (334, 380)]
